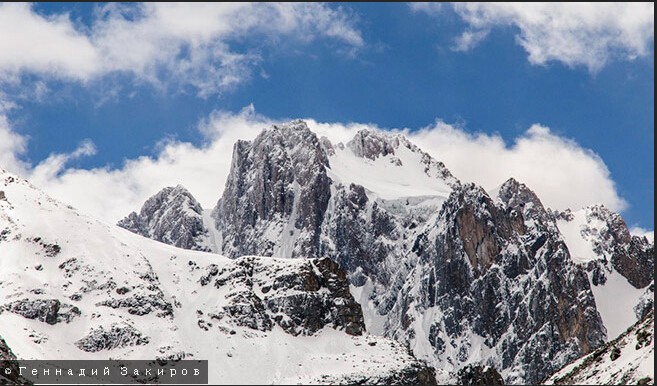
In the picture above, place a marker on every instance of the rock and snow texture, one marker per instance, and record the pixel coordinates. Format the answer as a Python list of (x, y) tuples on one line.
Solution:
[(626, 360), (493, 284), (276, 195), (172, 216), (619, 265), (389, 166), (74, 287), (292, 194), (462, 276)]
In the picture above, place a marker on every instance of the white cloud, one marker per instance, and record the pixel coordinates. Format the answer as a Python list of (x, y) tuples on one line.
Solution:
[(642, 232), (110, 194), (48, 169), (12, 147), (559, 170), (469, 39), (182, 44), (588, 34), (49, 46), (430, 8)]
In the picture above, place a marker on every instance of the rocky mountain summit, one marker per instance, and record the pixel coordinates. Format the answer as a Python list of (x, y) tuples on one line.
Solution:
[(172, 216), (463, 276)]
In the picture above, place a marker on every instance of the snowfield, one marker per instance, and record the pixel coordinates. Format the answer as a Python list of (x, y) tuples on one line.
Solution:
[(50, 251)]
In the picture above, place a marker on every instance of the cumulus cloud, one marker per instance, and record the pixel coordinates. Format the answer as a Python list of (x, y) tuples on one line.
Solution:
[(560, 171), (588, 34), (50, 46), (111, 193), (160, 43)]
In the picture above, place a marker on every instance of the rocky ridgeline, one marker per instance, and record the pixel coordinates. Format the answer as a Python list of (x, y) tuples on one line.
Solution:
[(484, 280), (8, 361), (172, 216), (372, 145), (496, 273)]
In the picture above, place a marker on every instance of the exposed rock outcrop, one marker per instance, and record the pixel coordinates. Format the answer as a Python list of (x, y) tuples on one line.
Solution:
[(472, 375), (172, 216), (50, 311), (301, 297), (277, 188), (112, 337), (10, 374)]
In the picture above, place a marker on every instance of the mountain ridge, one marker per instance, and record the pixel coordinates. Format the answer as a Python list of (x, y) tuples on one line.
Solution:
[(388, 241)]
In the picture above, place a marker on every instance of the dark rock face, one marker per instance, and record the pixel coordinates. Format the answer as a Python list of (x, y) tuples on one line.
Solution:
[(116, 336), (50, 311), (631, 256), (277, 185), (486, 266), (637, 264), (473, 375), (172, 216), (302, 297), (646, 302), (361, 243)]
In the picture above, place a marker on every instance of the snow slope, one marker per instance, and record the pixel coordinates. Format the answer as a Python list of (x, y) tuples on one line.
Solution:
[(408, 172), (108, 279), (627, 360)]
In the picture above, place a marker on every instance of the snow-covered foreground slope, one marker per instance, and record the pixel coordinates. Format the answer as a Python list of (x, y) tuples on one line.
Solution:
[(626, 360), (73, 287)]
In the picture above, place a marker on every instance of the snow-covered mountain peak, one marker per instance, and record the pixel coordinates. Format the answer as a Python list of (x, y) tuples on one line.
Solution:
[(390, 167), (172, 216), (370, 144), (463, 276), (515, 194), (619, 266), (294, 138)]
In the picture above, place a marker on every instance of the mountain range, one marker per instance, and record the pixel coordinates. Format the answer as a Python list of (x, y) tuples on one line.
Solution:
[(358, 262)]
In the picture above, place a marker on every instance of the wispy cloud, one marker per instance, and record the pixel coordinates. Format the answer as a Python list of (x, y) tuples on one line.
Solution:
[(187, 45), (586, 34)]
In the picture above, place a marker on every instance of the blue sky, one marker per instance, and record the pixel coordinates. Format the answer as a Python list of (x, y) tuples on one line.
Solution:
[(389, 65)]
